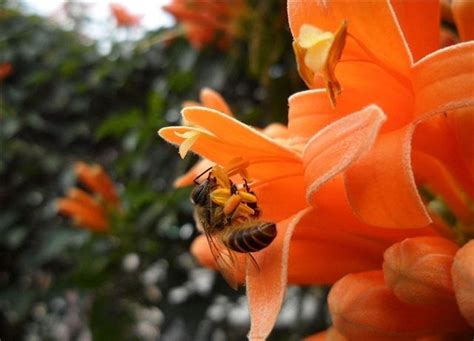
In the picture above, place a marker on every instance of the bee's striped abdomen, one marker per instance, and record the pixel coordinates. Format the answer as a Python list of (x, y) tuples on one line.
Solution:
[(252, 238)]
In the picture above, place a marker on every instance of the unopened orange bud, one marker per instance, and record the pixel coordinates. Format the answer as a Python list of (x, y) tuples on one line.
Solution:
[(463, 280), (418, 270)]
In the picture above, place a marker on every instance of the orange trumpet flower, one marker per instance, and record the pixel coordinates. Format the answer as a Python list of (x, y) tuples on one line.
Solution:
[(207, 21), (386, 60), (86, 210), (285, 171)]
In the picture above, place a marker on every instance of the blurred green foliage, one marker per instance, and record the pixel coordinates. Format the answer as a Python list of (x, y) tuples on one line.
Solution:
[(65, 102)]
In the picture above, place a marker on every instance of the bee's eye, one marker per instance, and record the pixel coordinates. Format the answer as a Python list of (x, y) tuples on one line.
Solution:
[(199, 195)]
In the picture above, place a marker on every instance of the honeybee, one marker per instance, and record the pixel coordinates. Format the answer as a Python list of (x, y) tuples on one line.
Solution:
[(229, 218)]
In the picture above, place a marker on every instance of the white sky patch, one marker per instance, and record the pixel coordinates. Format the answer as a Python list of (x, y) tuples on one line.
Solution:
[(101, 25)]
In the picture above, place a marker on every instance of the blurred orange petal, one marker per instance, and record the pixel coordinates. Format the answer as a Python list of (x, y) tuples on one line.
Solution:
[(213, 100), (6, 70), (334, 148), (123, 16), (87, 216), (83, 197), (463, 13), (96, 180), (382, 189), (188, 178), (442, 81), (463, 280), (363, 307), (418, 270), (107, 187), (276, 130)]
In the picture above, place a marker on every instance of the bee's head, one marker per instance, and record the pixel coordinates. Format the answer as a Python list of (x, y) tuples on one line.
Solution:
[(200, 194)]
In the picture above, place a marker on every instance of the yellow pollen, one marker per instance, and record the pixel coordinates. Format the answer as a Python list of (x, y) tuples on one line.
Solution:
[(220, 196), (221, 176), (232, 204), (244, 210), (247, 197)]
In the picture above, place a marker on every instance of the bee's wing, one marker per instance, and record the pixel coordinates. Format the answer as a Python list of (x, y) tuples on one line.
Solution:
[(229, 264)]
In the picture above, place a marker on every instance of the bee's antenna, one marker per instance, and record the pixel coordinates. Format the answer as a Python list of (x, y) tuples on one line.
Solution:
[(197, 177)]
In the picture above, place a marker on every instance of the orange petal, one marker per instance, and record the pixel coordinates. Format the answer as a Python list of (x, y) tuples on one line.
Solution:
[(276, 130), (437, 136), (442, 81), (281, 198), (363, 307), (463, 281), (381, 188), (333, 210), (334, 148), (373, 23), (418, 270), (83, 197), (233, 131), (431, 173), (213, 100), (96, 180), (463, 13), (188, 178), (266, 290), (320, 255), (93, 218), (462, 124), (107, 187), (363, 84), (411, 16), (264, 163)]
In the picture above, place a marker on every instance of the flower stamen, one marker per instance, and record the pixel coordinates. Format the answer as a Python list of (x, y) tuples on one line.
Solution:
[(317, 53)]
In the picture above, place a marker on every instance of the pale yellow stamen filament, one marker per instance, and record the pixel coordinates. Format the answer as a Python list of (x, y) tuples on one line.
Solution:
[(190, 137)]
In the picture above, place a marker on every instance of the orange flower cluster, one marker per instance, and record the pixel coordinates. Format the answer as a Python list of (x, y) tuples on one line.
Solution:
[(123, 17), (86, 210), (388, 113), (206, 21)]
